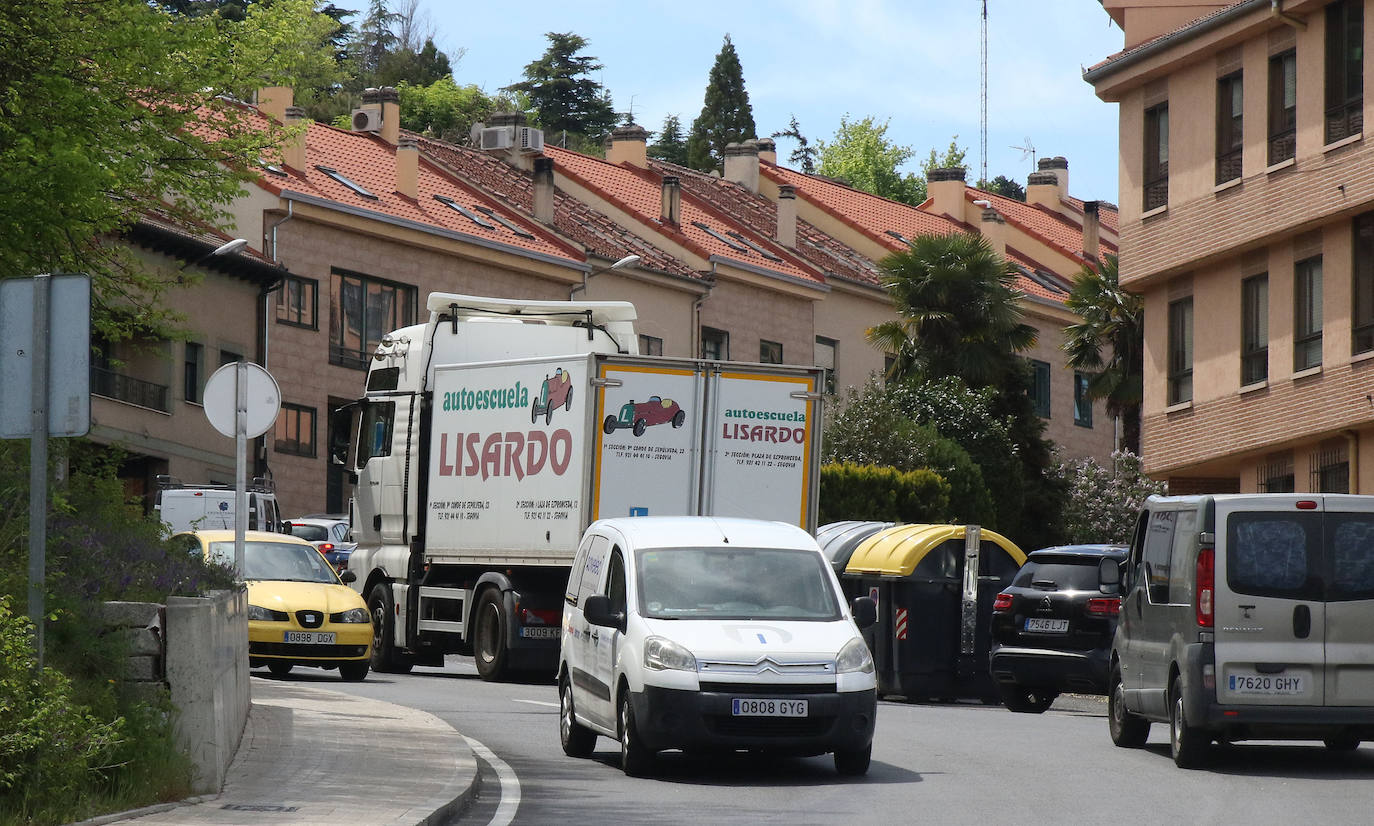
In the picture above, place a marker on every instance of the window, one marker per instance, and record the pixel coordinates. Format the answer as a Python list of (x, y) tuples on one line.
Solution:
[(1040, 388), (824, 355), (297, 302), (1362, 286), (770, 352), (296, 430), (1183, 559), (1307, 314), (362, 309), (1156, 156), (1082, 403), (227, 356), (374, 430), (1330, 465), (715, 344), (1158, 555), (193, 371), (1180, 351), (615, 582), (1283, 106), (1229, 137), (650, 346), (1254, 325), (1344, 69), (1274, 554), (1276, 474)]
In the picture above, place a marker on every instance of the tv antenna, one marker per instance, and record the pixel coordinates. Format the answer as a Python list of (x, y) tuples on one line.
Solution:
[(983, 101), (1027, 151)]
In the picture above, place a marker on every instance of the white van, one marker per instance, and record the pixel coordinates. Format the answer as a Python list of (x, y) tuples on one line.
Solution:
[(711, 634), (206, 507), (1245, 617)]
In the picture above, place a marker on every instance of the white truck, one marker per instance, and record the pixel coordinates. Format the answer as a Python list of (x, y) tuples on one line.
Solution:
[(491, 436)]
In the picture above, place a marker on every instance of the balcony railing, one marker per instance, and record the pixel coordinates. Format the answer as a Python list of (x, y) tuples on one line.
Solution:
[(124, 388), (1228, 166), (1344, 120), (1282, 145), (1157, 189)]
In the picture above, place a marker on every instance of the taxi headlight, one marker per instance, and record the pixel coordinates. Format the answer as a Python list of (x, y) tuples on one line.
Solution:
[(665, 655), (257, 612), (854, 657), (351, 615)]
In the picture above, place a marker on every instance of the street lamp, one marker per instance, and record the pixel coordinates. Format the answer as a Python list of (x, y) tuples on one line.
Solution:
[(627, 261), (227, 248)]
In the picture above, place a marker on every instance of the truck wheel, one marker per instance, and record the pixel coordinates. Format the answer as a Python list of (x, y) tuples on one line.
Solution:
[(577, 740), (489, 637), (1188, 744), (853, 762), (1128, 731), (640, 426), (608, 426), (567, 400), (635, 758), (385, 658), (679, 417)]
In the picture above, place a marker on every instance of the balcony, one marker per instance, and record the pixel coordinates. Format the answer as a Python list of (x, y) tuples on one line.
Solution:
[(128, 389)]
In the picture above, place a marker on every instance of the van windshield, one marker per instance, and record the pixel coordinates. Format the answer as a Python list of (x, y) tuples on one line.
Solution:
[(734, 583)]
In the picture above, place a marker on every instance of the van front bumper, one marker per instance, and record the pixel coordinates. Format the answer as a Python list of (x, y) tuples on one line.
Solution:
[(668, 718)]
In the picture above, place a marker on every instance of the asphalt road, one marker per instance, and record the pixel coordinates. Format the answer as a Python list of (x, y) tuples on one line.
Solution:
[(957, 763)]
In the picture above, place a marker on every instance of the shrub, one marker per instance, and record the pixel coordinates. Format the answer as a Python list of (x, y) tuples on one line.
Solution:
[(1104, 500), (885, 494)]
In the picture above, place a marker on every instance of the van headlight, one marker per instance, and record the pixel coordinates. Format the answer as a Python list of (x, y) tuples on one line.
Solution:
[(665, 655), (854, 657)]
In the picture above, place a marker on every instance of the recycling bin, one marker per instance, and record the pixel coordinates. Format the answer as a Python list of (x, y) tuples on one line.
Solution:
[(934, 585), (839, 539)]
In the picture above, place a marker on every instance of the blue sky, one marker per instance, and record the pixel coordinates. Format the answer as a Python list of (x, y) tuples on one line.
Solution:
[(913, 63)]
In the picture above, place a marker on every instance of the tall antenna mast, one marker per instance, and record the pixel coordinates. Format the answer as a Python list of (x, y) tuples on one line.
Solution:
[(983, 102)]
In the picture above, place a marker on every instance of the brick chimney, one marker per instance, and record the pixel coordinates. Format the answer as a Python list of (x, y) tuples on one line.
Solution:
[(293, 151), (1092, 227), (391, 114), (629, 144), (787, 216), (742, 164), (672, 200), (994, 229), (768, 150), (408, 167), (1049, 185), (543, 190), (274, 100), (945, 186)]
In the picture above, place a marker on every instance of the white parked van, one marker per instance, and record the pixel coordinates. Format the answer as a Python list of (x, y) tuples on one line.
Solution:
[(1246, 616), (206, 507), (712, 634)]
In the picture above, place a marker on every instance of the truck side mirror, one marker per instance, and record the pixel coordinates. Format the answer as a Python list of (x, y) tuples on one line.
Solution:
[(1109, 576), (597, 611), (865, 611)]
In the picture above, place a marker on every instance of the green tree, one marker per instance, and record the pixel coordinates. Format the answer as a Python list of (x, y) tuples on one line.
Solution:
[(958, 308), (804, 155), (954, 156), (97, 104), (861, 155), (726, 116), (562, 92), (444, 109), (1004, 186), (374, 40), (286, 43), (671, 146), (419, 68), (1113, 320)]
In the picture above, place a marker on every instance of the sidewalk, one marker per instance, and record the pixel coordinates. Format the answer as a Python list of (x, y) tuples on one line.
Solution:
[(313, 757)]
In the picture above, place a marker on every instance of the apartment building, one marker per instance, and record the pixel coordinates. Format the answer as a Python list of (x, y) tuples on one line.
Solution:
[(1247, 224)]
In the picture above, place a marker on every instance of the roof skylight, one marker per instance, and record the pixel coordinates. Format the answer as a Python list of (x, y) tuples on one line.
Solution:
[(716, 235), (338, 176), (465, 212), (755, 247), (500, 219)]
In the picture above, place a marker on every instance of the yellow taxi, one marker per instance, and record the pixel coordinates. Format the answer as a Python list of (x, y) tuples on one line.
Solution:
[(299, 611)]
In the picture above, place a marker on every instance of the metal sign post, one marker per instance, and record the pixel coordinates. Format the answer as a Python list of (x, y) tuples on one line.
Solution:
[(242, 401), (38, 463)]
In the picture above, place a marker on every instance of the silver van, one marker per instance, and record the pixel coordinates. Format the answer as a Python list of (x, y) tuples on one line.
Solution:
[(1246, 617)]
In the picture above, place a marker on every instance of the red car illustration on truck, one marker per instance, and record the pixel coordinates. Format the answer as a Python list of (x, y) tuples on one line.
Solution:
[(639, 417), (556, 390)]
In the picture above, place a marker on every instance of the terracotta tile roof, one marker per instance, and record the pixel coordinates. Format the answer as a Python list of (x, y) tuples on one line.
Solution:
[(1038, 222), (702, 228), (369, 164), (193, 241), (1163, 35), (760, 215), (1107, 212), (515, 187)]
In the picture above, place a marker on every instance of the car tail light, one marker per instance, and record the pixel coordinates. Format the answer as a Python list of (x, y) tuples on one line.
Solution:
[(1104, 606), (326, 546), (1002, 604), (1206, 586)]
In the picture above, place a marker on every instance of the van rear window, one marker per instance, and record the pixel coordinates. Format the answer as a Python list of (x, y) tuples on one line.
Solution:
[(1352, 556), (1274, 554)]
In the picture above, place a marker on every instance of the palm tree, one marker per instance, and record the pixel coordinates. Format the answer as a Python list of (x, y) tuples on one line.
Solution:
[(1113, 319), (959, 311)]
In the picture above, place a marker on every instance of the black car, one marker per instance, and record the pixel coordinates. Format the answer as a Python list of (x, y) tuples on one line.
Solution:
[(1052, 627)]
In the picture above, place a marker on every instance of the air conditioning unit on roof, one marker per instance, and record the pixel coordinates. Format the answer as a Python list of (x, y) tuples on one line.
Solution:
[(531, 139), (367, 120), (496, 137)]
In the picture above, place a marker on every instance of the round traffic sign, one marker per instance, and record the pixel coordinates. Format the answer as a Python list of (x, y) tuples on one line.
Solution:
[(263, 398)]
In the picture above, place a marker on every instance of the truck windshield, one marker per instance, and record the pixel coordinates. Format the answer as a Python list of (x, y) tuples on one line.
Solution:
[(734, 583)]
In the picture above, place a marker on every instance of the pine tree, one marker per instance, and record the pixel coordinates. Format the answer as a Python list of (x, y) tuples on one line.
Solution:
[(671, 146), (561, 91), (726, 117), (805, 154)]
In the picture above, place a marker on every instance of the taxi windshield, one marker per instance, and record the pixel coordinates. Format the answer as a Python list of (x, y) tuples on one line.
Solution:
[(734, 583), (277, 560)]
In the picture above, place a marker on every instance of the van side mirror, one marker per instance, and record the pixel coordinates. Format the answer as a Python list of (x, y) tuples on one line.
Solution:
[(597, 611), (865, 611), (1109, 576)]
